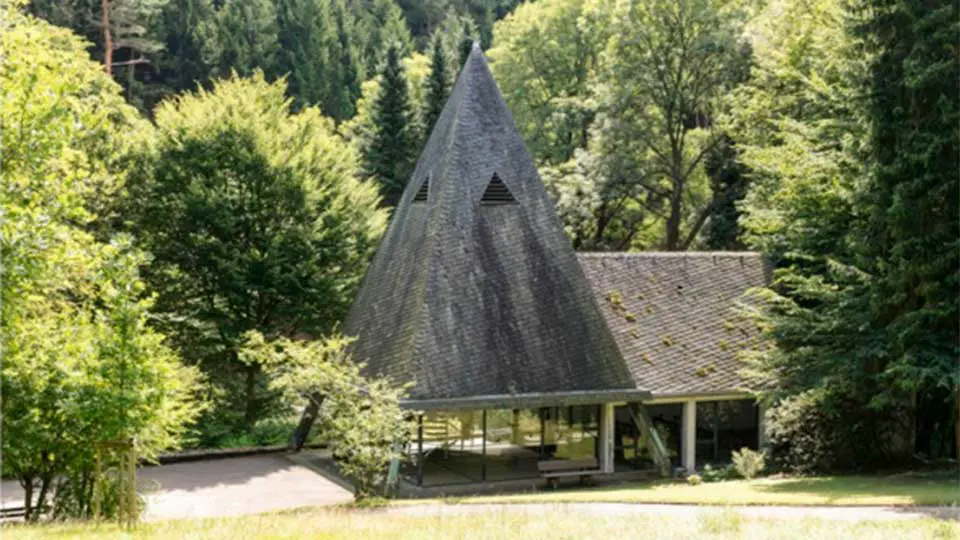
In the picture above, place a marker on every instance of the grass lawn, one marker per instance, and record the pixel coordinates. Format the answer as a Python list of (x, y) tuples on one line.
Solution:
[(828, 490), (371, 524)]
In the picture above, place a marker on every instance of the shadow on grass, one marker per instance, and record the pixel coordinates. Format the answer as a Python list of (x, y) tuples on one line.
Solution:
[(833, 489)]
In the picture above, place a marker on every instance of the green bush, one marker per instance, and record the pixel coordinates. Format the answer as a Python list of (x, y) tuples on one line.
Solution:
[(817, 431), (694, 480), (264, 433), (712, 474), (749, 463)]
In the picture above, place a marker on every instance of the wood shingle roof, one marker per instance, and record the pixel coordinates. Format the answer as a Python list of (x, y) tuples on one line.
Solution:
[(470, 300), (674, 315)]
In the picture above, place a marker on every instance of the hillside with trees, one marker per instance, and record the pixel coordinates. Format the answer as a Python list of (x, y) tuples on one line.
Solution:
[(182, 178)]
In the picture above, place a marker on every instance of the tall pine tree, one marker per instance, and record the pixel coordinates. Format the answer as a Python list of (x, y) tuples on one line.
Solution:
[(728, 184), (188, 31), (437, 86), (381, 24), (345, 66), (304, 55), (391, 151), (247, 31), (914, 229)]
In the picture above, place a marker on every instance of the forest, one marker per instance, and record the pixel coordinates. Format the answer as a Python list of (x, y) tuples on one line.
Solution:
[(183, 179)]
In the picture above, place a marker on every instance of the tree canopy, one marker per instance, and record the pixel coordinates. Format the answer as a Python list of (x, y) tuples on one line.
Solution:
[(256, 221), (81, 365)]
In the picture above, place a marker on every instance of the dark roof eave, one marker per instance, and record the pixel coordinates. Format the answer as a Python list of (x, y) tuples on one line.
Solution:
[(536, 399)]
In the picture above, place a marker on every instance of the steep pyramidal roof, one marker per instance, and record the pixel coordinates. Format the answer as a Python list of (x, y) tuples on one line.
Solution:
[(475, 291)]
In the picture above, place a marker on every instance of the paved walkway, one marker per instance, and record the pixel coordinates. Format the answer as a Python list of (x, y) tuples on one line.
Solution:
[(836, 513), (224, 487)]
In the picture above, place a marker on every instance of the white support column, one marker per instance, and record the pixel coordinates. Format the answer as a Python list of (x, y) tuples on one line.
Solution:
[(689, 436), (762, 441), (606, 437)]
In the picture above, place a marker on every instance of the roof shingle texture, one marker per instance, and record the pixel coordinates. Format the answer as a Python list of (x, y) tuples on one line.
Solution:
[(674, 315), (466, 299)]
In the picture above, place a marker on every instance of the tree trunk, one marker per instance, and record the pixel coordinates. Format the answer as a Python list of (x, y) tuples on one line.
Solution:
[(42, 497), (673, 221), (107, 39), (957, 427), (27, 483), (307, 419)]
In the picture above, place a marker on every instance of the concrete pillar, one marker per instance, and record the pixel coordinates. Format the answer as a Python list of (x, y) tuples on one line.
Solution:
[(606, 442), (689, 436), (762, 442)]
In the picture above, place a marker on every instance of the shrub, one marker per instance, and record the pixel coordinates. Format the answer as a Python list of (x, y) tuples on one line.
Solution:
[(749, 463), (819, 431), (711, 474), (361, 417), (694, 480)]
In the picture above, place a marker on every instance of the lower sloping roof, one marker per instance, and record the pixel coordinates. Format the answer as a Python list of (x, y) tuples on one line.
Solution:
[(674, 315)]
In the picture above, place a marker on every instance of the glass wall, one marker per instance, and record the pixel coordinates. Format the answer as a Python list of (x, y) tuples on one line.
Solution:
[(499, 444), (725, 426)]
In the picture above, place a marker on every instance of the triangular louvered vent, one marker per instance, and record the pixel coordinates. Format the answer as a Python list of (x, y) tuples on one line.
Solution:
[(497, 193), (423, 192)]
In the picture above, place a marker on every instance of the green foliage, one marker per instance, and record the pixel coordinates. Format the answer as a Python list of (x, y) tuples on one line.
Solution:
[(437, 86), (711, 474), (380, 25), (663, 71), (80, 364), (545, 60), (728, 185), (636, 86), (360, 417), (815, 431), (829, 197), (188, 30), (132, 44), (749, 463), (256, 220), (694, 479), (247, 37), (913, 220), (391, 150), (268, 432)]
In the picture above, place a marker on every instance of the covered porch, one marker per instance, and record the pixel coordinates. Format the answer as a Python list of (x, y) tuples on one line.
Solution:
[(467, 446), (521, 437)]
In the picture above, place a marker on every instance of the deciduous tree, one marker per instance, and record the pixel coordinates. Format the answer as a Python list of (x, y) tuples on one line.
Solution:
[(256, 221)]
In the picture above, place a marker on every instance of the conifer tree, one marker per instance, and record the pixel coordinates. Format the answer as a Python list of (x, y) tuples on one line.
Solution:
[(914, 226), (188, 31), (486, 28), (728, 184), (437, 86), (390, 154), (304, 55), (247, 32), (382, 23), (345, 68)]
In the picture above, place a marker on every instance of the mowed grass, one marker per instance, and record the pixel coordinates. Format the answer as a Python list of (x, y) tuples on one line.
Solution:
[(827, 491), (553, 524)]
